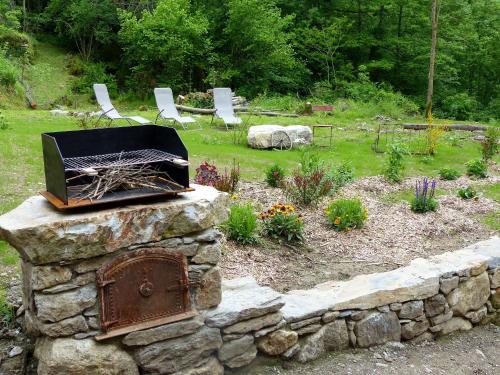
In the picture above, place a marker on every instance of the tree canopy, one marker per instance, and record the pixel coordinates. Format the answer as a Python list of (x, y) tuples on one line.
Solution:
[(324, 48)]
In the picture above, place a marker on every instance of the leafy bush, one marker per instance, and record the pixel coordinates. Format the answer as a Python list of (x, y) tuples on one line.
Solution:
[(394, 164), (459, 106), (275, 175), (206, 174), (165, 45), (424, 200), (93, 73), (342, 175), (310, 182), (490, 143), (4, 124), (281, 222), (467, 192), (228, 182), (346, 214), (242, 224), (8, 71), (449, 174), (7, 312), (477, 168), (315, 179), (199, 100)]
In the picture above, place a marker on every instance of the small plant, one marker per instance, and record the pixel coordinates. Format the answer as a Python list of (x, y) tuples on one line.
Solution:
[(206, 174), (346, 214), (4, 124), (394, 165), (310, 182), (424, 200), (275, 175), (87, 121), (434, 133), (477, 168), (467, 192), (228, 182), (449, 174), (242, 224), (281, 222), (342, 175), (490, 143), (7, 312)]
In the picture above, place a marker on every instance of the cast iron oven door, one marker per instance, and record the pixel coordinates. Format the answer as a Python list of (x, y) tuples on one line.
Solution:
[(143, 289)]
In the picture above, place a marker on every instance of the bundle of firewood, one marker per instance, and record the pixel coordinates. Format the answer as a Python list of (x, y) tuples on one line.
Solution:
[(123, 177)]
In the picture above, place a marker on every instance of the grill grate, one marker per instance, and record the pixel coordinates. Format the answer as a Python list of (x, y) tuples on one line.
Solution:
[(118, 159)]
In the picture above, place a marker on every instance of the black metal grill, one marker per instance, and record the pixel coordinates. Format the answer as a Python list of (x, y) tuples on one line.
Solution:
[(75, 159)]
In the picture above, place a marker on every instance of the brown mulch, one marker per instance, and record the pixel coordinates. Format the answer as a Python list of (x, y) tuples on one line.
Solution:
[(392, 236)]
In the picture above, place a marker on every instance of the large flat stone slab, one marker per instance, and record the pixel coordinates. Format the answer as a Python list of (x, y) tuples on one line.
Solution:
[(44, 235), (82, 357), (243, 299)]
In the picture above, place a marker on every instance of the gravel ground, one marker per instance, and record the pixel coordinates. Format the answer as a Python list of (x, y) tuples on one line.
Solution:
[(392, 236), (475, 352)]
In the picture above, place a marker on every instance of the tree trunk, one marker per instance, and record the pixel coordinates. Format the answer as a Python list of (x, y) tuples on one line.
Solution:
[(430, 87)]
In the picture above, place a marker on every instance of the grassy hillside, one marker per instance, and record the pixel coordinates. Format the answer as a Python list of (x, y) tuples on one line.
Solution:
[(48, 78)]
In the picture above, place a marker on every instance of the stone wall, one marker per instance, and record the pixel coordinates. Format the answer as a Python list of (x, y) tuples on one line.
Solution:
[(429, 298), (61, 253), (236, 320)]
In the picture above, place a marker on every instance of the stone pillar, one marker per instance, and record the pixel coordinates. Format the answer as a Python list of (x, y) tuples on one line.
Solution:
[(61, 253)]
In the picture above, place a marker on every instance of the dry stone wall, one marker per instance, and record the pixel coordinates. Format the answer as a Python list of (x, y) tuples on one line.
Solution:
[(237, 320)]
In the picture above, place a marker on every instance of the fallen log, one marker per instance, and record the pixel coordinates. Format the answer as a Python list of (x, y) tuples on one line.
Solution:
[(210, 111), (465, 127), (198, 111)]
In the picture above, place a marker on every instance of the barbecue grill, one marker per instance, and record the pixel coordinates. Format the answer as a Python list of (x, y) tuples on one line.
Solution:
[(89, 167)]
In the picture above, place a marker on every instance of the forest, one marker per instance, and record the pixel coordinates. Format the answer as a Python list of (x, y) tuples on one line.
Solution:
[(324, 49)]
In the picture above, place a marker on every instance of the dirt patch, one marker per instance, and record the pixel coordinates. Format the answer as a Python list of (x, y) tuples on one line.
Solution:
[(392, 236), (476, 352)]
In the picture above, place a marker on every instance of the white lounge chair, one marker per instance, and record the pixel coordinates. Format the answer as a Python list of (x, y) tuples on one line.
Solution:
[(107, 108), (223, 104), (168, 111)]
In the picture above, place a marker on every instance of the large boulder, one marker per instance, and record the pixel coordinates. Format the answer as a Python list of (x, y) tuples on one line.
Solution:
[(174, 355), (277, 342), (470, 295), (261, 136), (332, 336), (378, 328), (82, 357)]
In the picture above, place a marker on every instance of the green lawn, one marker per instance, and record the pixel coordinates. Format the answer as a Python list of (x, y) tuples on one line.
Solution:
[(21, 164)]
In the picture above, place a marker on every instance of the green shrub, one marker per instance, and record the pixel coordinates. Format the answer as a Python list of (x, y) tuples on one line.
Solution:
[(477, 168), (346, 214), (281, 222), (275, 175), (228, 182), (242, 224), (490, 143), (8, 71), (342, 175), (199, 100), (449, 174), (4, 124), (424, 200), (459, 106), (93, 73), (467, 192), (309, 183), (7, 312), (395, 163)]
